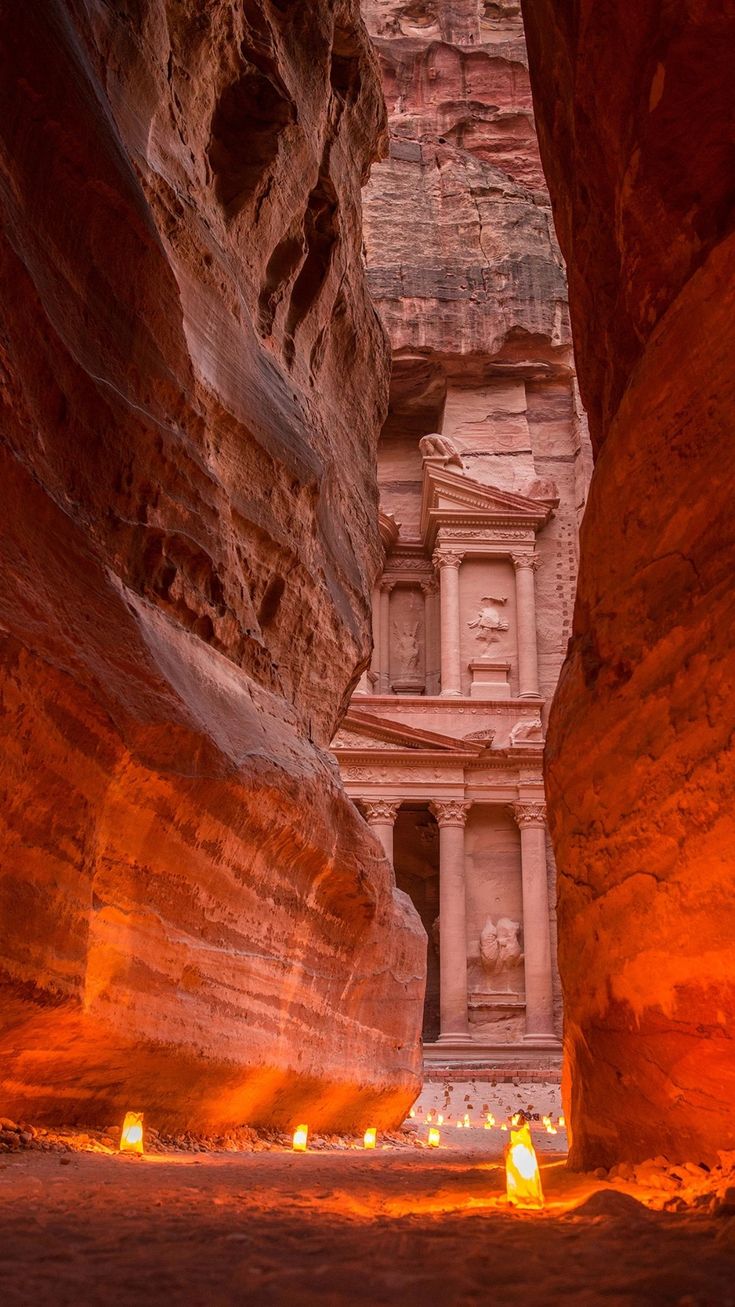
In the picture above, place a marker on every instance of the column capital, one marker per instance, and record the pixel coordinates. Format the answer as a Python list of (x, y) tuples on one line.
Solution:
[(380, 811), (528, 812), (530, 560), (450, 812), (385, 586), (430, 586), (447, 558)]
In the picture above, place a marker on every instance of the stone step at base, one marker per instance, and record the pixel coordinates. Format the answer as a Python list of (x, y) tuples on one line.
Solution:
[(498, 1075)]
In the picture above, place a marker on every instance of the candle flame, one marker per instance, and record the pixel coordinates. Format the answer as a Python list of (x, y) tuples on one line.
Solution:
[(131, 1138), (433, 1138), (300, 1138), (522, 1175)]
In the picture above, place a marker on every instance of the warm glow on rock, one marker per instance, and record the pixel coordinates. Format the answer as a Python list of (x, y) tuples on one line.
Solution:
[(433, 1137), (369, 1137), (300, 1138), (522, 1175), (131, 1138)]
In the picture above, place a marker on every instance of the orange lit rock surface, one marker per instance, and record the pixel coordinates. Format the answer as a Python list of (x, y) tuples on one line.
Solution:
[(635, 116), (194, 920)]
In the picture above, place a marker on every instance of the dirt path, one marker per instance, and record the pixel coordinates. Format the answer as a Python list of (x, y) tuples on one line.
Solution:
[(411, 1227)]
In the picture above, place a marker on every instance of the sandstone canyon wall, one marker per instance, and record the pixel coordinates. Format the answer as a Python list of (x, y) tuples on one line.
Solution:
[(636, 112), (193, 918)]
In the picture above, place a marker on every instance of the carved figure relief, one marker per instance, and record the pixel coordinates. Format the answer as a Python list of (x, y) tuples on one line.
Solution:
[(489, 622), (500, 946), (530, 731), (407, 646), (437, 446)]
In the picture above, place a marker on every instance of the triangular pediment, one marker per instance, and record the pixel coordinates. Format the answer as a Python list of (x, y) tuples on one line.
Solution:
[(450, 498), (362, 731)]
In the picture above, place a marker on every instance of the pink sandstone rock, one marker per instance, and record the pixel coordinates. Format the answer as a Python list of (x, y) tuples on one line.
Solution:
[(635, 114), (194, 920)]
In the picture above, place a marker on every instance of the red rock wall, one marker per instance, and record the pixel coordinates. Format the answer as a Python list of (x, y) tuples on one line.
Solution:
[(193, 918), (462, 259), (635, 111)]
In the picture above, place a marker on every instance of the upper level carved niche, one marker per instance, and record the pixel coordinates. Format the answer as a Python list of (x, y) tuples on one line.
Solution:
[(453, 615)]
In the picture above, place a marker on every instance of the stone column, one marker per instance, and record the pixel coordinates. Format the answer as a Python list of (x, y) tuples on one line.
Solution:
[(530, 816), (374, 670), (525, 566), (451, 816), (448, 565), (430, 591), (380, 814), (384, 672)]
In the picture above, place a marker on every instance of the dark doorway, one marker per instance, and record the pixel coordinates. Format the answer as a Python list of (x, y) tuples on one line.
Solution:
[(416, 862)]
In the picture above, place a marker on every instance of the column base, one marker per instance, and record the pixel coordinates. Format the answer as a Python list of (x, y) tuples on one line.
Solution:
[(530, 694), (542, 1041), (461, 1037), (450, 694)]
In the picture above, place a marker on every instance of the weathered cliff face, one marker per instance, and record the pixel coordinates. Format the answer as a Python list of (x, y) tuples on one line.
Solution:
[(635, 114), (470, 271), (193, 918)]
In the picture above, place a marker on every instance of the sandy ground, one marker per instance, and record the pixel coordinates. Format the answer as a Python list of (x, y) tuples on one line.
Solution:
[(410, 1226)]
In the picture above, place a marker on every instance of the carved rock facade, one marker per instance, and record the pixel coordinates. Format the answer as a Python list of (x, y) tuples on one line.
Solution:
[(193, 918), (635, 114), (482, 467)]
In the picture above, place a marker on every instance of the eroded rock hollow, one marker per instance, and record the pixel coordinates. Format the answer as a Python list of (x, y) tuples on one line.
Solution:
[(635, 116), (193, 918)]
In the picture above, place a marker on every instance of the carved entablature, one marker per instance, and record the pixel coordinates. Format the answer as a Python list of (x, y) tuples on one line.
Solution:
[(352, 741), (457, 508)]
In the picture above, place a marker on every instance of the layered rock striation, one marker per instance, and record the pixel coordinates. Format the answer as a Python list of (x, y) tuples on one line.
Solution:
[(462, 258), (635, 114), (194, 919)]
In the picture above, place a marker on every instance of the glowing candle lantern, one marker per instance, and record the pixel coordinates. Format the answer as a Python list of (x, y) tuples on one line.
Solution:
[(300, 1138), (412, 1114), (489, 1121), (562, 1123), (369, 1137), (433, 1137), (522, 1175), (131, 1138)]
